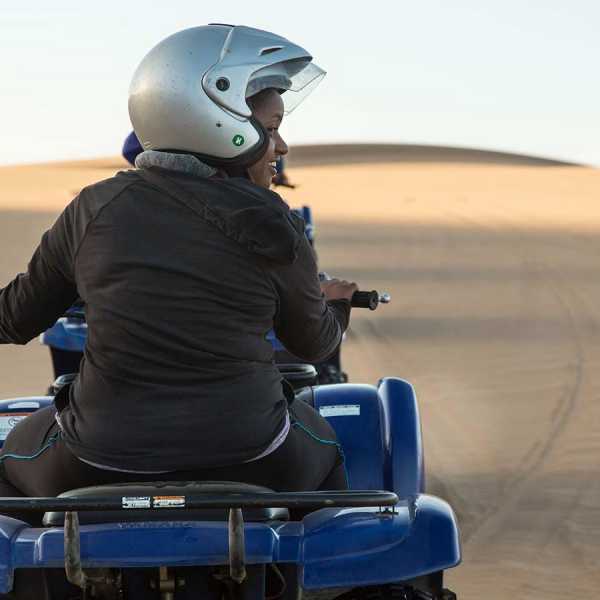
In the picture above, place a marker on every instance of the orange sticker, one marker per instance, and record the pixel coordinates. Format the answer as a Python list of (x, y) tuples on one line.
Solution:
[(168, 501)]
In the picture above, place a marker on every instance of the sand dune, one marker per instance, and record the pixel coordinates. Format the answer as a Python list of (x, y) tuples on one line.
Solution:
[(411, 153), (495, 319), (50, 186)]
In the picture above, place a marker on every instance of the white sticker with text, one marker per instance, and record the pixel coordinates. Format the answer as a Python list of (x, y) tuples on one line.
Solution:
[(136, 502), (7, 422), (340, 410)]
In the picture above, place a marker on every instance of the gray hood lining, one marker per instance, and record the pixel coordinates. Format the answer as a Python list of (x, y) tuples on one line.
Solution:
[(181, 163)]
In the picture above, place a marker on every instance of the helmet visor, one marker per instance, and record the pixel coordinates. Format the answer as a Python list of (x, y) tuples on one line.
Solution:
[(295, 80)]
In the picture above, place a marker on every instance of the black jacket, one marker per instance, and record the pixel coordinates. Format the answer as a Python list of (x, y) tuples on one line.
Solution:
[(182, 278)]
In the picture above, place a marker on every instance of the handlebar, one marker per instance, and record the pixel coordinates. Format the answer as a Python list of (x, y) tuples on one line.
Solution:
[(369, 300)]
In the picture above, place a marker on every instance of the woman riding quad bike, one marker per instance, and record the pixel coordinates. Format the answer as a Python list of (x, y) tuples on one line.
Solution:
[(184, 265)]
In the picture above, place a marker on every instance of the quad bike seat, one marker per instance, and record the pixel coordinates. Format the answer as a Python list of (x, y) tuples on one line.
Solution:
[(136, 494)]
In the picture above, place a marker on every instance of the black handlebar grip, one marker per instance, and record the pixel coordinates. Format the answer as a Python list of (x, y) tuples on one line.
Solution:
[(368, 300)]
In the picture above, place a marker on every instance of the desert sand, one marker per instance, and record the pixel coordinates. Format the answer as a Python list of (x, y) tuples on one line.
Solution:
[(493, 269)]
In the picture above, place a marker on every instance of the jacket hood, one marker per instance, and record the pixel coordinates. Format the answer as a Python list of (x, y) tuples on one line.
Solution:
[(254, 217)]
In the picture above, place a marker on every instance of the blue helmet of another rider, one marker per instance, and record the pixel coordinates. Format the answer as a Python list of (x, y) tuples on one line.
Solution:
[(131, 148)]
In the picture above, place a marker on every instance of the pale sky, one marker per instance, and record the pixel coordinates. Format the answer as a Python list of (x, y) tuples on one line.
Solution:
[(512, 75)]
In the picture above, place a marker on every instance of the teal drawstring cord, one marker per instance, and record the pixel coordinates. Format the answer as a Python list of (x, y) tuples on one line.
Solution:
[(51, 441), (327, 442)]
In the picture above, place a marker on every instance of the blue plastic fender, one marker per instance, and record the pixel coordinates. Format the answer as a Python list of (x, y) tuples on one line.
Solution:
[(334, 547), (405, 465), (9, 529), (355, 413), (354, 548)]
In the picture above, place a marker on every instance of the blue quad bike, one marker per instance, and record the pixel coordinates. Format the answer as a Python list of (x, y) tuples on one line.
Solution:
[(385, 538)]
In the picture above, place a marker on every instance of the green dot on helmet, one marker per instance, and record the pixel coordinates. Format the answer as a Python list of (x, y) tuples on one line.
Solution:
[(238, 140)]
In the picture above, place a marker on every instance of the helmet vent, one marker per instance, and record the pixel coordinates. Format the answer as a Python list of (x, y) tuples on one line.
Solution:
[(270, 50)]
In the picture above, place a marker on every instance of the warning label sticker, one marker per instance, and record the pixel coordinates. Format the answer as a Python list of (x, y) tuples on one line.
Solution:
[(8, 421), (136, 502), (340, 410), (168, 501)]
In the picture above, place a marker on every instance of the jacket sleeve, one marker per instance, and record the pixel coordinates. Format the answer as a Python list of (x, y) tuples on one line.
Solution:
[(34, 300), (306, 324)]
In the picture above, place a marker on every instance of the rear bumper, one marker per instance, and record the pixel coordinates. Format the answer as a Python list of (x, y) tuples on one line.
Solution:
[(333, 547)]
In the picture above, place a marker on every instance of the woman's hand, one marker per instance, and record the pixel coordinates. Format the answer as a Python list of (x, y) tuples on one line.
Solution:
[(336, 289)]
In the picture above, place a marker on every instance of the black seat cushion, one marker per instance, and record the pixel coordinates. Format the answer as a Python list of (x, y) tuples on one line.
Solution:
[(166, 488)]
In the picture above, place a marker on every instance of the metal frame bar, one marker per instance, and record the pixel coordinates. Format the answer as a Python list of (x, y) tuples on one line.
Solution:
[(308, 500)]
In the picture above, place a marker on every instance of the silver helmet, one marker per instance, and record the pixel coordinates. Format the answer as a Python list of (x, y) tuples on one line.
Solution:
[(189, 92)]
